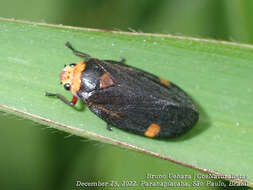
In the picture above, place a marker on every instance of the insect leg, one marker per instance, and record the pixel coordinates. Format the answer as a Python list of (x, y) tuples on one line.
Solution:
[(122, 60), (63, 99), (77, 53), (108, 127)]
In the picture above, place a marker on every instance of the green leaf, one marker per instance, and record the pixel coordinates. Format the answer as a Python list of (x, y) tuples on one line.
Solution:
[(217, 75)]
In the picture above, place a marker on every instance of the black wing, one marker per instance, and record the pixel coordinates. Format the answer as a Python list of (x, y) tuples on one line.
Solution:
[(139, 99)]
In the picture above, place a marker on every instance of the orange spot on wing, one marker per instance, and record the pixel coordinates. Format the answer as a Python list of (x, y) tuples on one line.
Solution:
[(165, 82), (106, 80), (152, 130)]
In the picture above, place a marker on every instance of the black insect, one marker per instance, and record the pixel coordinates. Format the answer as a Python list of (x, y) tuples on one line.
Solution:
[(128, 98)]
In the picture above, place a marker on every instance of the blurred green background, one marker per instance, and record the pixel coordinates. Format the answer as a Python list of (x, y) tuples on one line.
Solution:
[(43, 158), (216, 19)]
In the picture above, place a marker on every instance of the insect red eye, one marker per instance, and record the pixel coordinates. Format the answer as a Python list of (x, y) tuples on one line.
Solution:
[(67, 86)]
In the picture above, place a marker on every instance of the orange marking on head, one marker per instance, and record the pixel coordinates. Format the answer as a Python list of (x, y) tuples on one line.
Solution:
[(72, 75), (106, 80), (76, 80), (165, 82), (152, 130)]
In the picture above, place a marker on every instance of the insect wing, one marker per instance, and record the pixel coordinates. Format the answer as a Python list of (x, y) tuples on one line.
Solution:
[(139, 101)]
